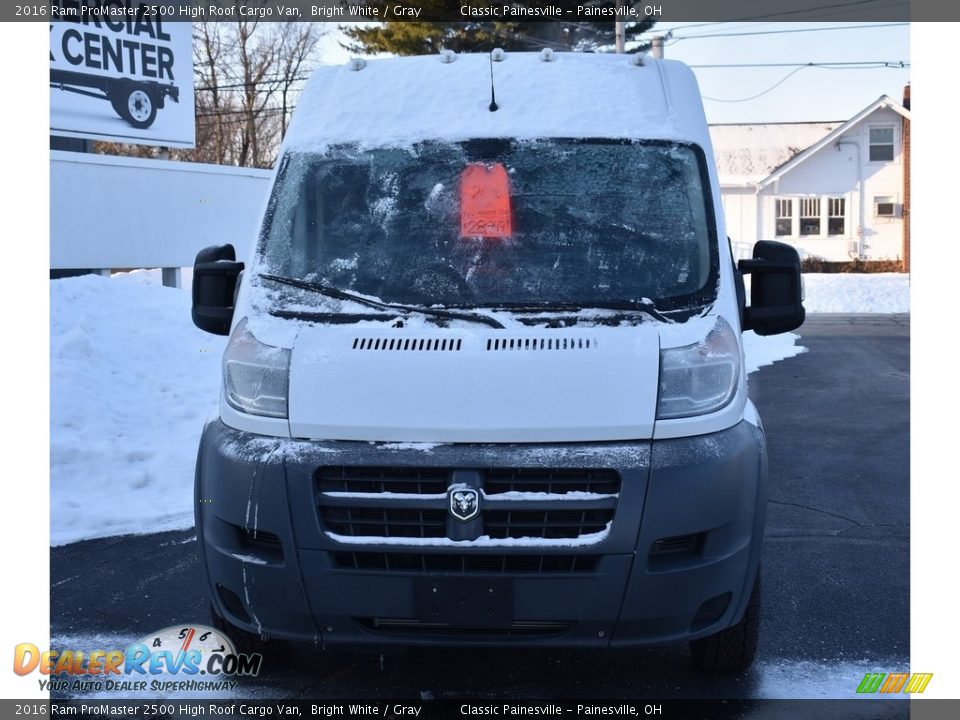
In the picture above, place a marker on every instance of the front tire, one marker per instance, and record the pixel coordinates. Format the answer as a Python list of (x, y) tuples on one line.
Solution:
[(734, 649)]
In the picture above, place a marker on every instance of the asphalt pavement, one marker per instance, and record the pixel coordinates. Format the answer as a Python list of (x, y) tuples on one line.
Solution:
[(835, 561)]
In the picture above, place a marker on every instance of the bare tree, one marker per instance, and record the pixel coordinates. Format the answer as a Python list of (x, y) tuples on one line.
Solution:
[(298, 42), (209, 100)]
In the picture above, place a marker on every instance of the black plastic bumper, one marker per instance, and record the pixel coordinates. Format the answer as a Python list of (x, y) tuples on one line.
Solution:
[(677, 563)]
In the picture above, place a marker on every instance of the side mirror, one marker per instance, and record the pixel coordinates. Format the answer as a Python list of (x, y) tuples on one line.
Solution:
[(216, 273), (776, 295)]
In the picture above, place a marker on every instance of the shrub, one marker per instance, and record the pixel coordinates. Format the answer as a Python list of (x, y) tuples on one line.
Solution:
[(816, 265)]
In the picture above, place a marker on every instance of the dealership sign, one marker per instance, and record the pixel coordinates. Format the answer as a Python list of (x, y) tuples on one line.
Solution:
[(121, 74)]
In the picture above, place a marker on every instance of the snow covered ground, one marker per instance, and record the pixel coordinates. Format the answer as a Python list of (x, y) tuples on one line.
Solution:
[(851, 293), (132, 381)]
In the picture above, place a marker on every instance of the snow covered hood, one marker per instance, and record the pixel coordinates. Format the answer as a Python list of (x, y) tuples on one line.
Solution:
[(404, 100)]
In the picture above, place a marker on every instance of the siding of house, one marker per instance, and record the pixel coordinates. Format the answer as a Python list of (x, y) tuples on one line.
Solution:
[(835, 172), (831, 172), (740, 210)]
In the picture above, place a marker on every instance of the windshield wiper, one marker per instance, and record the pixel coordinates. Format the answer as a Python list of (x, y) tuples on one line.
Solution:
[(338, 294), (642, 306)]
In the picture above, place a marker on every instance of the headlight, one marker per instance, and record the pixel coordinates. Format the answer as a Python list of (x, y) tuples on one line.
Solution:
[(256, 377), (700, 378)]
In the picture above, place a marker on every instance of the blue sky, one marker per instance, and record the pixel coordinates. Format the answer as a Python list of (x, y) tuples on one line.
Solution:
[(809, 94)]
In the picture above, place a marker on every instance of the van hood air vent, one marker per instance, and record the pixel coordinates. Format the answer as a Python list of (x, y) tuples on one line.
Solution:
[(408, 344), (534, 343)]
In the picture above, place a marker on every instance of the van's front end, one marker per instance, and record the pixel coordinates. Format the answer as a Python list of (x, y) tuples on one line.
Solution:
[(485, 380)]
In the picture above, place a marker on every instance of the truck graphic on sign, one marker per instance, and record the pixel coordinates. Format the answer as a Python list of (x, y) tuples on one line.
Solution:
[(127, 61)]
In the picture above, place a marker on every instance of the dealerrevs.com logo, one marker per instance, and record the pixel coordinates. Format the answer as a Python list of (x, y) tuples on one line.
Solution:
[(177, 658)]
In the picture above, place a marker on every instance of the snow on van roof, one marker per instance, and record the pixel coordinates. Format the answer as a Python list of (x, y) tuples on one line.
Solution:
[(398, 101)]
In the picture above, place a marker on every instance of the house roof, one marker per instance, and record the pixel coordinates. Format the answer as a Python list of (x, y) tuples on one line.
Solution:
[(758, 154), (884, 101), (746, 154)]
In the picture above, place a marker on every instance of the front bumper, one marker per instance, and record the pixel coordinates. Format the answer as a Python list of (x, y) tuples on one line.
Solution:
[(677, 561)]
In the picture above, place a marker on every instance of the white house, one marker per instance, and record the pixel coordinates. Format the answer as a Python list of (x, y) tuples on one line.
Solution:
[(834, 190)]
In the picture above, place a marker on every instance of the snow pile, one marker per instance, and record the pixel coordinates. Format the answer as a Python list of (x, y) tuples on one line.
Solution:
[(132, 381), (153, 276), (857, 293), (762, 351)]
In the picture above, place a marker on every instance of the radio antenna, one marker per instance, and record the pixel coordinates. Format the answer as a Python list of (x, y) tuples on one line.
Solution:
[(493, 96)]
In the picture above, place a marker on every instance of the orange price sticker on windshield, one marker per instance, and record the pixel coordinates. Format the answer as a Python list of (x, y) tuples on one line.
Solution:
[(485, 202)]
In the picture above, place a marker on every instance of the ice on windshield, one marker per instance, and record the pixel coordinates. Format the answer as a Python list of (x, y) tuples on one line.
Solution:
[(582, 223)]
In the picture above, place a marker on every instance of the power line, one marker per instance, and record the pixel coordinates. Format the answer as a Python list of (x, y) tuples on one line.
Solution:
[(849, 64), (840, 10), (760, 94), (838, 65), (303, 78), (247, 111), (801, 11), (783, 32), (822, 66), (274, 80)]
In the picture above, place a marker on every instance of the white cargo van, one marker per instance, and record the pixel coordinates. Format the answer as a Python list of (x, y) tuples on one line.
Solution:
[(485, 379)]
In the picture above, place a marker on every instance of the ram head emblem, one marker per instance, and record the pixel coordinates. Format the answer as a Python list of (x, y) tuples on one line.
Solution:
[(464, 503)]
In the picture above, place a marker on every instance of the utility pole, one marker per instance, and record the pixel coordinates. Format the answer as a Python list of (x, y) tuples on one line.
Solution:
[(656, 48), (619, 31)]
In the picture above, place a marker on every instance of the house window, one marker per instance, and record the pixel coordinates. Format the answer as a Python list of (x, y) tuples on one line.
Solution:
[(784, 217), (810, 216), (881, 144), (836, 216)]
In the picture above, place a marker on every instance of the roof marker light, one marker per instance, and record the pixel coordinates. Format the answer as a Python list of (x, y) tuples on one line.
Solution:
[(639, 59), (497, 55), (546, 55), (357, 64), (447, 56)]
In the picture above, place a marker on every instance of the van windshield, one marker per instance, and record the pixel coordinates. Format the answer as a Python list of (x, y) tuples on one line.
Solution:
[(499, 223)]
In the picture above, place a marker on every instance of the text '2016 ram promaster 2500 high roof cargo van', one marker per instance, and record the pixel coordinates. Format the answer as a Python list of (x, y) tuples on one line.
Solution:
[(485, 379)]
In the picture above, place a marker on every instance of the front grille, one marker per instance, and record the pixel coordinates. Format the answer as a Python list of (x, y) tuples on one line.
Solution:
[(555, 524), (561, 480), (555, 505), (518, 628), (466, 563), (384, 522), (419, 481)]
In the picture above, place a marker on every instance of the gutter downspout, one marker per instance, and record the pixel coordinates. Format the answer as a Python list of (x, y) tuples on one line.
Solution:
[(758, 213), (861, 228)]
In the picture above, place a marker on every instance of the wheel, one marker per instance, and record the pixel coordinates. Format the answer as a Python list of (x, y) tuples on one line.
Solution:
[(134, 104), (731, 650)]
